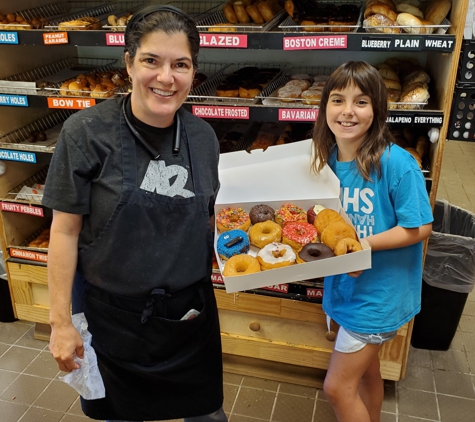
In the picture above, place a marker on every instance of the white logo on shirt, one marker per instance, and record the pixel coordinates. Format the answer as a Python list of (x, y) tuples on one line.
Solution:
[(158, 176)]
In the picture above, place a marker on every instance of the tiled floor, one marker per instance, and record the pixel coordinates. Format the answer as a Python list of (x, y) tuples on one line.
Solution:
[(439, 386)]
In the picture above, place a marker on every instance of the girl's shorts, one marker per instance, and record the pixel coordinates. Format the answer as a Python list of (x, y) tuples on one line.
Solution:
[(349, 342)]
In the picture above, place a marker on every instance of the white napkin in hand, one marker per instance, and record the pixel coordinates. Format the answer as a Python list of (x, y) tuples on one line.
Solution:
[(86, 380)]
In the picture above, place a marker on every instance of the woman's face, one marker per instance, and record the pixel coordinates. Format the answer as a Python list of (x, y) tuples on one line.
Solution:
[(349, 115), (162, 73)]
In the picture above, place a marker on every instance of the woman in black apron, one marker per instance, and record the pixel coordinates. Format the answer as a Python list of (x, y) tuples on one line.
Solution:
[(132, 184)]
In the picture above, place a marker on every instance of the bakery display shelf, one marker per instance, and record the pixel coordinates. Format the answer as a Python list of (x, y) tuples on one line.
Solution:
[(289, 25), (24, 244), (123, 9), (30, 191), (216, 22), (46, 80), (409, 30), (50, 126), (81, 10), (205, 93)]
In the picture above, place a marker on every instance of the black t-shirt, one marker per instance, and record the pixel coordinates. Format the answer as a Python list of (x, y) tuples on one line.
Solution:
[(85, 174)]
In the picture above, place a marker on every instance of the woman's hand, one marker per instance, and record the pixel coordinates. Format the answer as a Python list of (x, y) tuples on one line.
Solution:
[(65, 344)]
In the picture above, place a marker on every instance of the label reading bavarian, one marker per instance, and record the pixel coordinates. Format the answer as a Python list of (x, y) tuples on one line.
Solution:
[(21, 156), (223, 40), (372, 43), (22, 209), (8, 37), (14, 100), (298, 114), (323, 42), (221, 112), (408, 44)]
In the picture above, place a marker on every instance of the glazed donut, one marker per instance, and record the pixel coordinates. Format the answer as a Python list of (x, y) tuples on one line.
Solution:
[(314, 252), (336, 231), (261, 234), (232, 218), (288, 213), (255, 15), (249, 90), (299, 234), (265, 11), (229, 14), (232, 242), (241, 265), (313, 212), (347, 245), (326, 217), (241, 13), (261, 213), (276, 255)]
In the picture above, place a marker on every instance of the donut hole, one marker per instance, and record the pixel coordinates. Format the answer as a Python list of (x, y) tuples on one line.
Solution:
[(241, 268), (314, 254), (278, 253)]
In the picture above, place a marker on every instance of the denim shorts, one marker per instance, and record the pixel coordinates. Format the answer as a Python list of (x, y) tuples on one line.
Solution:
[(349, 341)]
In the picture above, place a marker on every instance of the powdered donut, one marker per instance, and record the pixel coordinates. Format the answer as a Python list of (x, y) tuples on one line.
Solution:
[(336, 231), (261, 234), (276, 255), (261, 213), (314, 252), (241, 265), (347, 245)]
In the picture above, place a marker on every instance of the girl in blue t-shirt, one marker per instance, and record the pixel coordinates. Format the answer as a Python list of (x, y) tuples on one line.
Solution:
[(383, 193)]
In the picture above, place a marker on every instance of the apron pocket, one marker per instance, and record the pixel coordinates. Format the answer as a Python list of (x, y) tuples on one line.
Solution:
[(119, 334)]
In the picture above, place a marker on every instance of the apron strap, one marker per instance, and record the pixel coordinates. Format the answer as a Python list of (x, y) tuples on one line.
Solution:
[(155, 296)]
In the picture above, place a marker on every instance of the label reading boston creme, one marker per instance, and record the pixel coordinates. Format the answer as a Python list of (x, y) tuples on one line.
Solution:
[(325, 42)]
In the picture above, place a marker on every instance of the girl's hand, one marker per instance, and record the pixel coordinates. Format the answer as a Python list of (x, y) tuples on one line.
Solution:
[(355, 273)]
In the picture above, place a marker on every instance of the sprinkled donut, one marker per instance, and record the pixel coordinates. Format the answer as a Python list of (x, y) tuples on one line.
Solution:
[(232, 219), (261, 234), (241, 265), (314, 252), (347, 245), (232, 242), (288, 213), (299, 234), (276, 255), (260, 213)]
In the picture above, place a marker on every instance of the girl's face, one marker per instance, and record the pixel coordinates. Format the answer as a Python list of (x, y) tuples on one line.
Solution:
[(349, 115), (162, 74)]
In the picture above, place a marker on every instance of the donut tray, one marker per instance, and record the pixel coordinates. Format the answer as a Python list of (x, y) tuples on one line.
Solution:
[(205, 93), (212, 23), (50, 125), (289, 25), (23, 193)]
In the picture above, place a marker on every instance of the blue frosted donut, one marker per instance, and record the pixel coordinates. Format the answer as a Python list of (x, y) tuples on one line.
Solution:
[(232, 242)]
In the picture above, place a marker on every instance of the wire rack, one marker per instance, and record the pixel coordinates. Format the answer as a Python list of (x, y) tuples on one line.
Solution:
[(122, 8), (80, 10), (50, 125), (16, 194), (24, 244), (198, 9), (206, 91), (409, 30), (214, 20), (289, 25)]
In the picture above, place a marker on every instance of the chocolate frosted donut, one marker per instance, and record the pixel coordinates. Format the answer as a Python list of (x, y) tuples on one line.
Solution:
[(260, 213), (314, 252)]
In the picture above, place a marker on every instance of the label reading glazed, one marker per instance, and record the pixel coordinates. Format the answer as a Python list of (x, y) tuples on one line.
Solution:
[(70, 103), (115, 38), (8, 37), (323, 42), (22, 209), (14, 100), (22, 156), (371, 43), (408, 44), (52, 38), (223, 40), (297, 114), (220, 112)]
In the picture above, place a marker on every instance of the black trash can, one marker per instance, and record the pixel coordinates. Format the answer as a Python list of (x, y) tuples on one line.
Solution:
[(6, 309), (448, 277)]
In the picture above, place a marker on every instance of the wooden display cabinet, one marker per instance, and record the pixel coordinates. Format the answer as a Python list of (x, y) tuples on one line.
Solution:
[(262, 335)]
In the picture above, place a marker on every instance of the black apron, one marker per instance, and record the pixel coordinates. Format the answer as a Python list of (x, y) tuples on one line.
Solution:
[(154, 365)]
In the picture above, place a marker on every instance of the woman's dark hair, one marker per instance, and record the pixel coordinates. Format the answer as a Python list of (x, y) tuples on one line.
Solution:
[(378, 137), (167, 19)]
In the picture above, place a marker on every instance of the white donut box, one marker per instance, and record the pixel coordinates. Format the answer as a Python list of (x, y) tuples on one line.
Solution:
[(279, 175)]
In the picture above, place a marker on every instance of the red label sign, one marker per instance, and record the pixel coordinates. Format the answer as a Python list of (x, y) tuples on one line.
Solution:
[(281, 288), (221, 112), (71, 103), (217, 278), (298, 114), (318, 293), (223, 40), (53, 38), (319, 42), (115, 38), (22, 209), (30, 255)]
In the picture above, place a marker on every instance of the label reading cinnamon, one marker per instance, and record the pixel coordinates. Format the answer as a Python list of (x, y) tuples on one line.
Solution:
[(30, 255)]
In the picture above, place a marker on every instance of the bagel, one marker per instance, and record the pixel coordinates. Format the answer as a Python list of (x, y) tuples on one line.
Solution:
[(410, 23), (408, 8), (380, 8), (437, 11)]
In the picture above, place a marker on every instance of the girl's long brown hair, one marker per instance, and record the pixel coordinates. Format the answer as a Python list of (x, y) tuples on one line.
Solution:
[(378, 137)]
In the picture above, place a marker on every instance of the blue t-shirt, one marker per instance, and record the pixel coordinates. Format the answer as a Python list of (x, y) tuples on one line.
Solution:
[(388, 295)]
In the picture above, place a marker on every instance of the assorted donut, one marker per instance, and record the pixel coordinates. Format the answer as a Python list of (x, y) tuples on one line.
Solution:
[(268, 238), (251, 11), (303, 88)]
